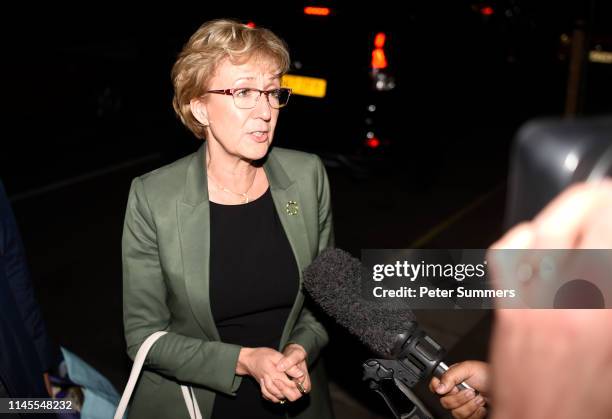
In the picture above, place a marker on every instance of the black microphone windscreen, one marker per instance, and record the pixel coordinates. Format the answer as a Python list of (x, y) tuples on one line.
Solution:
[(333, 280)]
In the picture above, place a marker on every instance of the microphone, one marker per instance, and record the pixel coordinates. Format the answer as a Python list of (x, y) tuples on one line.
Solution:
[(388, 328), (333, 280)]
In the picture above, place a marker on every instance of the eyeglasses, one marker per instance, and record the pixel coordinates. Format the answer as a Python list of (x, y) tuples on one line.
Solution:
[(247, 98)]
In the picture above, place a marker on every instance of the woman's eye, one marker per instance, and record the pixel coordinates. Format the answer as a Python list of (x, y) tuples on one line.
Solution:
[(243, 92)]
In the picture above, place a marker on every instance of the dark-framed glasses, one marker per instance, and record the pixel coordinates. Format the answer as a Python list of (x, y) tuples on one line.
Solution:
[(247, 98)]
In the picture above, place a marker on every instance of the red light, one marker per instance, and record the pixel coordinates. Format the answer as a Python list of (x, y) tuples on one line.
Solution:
[(379, 40), (487, 11), (251, 25), (373, 142), (379, 60), (316, 11)]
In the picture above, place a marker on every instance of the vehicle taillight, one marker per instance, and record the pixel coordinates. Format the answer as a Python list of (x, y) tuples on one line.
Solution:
[(316, 11), (372, 142), (487, 11), (379, 60)]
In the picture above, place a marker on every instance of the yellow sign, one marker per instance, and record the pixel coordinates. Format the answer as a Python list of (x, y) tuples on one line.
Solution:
[(603, 57), (305, 86)]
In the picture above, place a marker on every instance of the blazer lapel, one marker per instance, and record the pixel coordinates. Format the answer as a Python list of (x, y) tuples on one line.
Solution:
[(287, 199), (194, 229)]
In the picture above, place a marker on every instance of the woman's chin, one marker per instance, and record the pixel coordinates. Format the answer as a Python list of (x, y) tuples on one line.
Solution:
[(257, 151)]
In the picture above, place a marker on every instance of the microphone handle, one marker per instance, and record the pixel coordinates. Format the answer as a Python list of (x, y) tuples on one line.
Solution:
[(441, 368)]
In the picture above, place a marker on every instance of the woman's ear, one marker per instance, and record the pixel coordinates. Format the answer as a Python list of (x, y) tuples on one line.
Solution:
[(198, 110)]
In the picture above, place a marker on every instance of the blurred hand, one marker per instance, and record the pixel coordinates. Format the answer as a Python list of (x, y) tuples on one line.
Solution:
[(465, 403), (294, 365), (556, 363), (48, 384), (260, 363), (552, 363)]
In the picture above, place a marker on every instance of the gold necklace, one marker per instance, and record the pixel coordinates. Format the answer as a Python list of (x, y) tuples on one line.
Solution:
[(227, 190)]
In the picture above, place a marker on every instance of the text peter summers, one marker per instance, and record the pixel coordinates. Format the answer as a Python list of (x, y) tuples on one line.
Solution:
[(461, 292), (457, 272)]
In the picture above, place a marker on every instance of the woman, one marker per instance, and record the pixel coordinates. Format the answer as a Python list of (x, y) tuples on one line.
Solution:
[(214, 244)]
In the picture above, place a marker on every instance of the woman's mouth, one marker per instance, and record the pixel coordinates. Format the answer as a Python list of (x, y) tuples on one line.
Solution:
[(259, 136)]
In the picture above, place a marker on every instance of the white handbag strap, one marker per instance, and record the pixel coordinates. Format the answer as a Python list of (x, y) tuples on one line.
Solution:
[(188, 394), (191, 402)]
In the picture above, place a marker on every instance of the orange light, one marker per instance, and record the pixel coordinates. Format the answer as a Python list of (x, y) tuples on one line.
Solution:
[(251, 25), (316, 11), (379, 60), (373, 142), (487, 11), (379, 40)]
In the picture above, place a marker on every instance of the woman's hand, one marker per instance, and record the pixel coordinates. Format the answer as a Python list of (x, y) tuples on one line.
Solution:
[(261, 364), (465, 403), (294, 365)]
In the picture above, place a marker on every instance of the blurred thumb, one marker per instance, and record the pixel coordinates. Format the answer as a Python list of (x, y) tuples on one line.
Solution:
[(282, 364), (289, 361), (455, 375)]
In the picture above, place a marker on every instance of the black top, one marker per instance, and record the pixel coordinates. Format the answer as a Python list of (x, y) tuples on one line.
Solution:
[(253, 284)]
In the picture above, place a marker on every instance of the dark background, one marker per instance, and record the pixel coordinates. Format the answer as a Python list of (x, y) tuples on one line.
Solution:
[(88, 107)]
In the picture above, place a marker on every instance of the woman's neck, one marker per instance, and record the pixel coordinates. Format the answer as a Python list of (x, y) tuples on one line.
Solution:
[(232, 180), (230, 171)]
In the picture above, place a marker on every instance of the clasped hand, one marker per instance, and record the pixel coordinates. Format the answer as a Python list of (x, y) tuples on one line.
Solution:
[(281, 376)]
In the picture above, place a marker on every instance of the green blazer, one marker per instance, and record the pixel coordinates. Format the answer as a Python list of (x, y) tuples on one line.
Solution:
[(165, 249)]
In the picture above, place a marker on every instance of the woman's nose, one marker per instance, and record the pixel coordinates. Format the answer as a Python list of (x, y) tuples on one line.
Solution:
[(263, 109)]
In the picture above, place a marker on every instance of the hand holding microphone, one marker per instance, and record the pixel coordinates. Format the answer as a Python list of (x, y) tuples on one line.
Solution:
[(388, 328), (465, 403)]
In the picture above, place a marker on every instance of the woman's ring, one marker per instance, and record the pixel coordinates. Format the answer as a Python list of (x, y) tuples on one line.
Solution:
[(300, 387)]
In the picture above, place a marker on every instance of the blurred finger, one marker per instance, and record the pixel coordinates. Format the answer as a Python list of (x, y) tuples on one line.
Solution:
[(470, 408), (433, 384), (598, 233), (266, 394), (520, 237), (559, 223), (273, 388), (480, 413), (293, 358), (457, 400), (290, 392), (294, 372), (453, 376)]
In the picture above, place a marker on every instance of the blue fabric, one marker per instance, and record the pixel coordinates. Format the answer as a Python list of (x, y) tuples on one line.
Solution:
[(25, 349), (100, 397)]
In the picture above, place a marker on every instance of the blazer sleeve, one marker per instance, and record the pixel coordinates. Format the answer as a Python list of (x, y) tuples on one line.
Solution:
[(187, 359), (308, 331)]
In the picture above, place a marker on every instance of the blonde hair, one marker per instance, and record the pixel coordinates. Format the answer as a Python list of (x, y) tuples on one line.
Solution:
[(207, 47)]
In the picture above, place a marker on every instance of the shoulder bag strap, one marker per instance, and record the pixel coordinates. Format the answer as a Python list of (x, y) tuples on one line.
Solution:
[(188, 394)]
